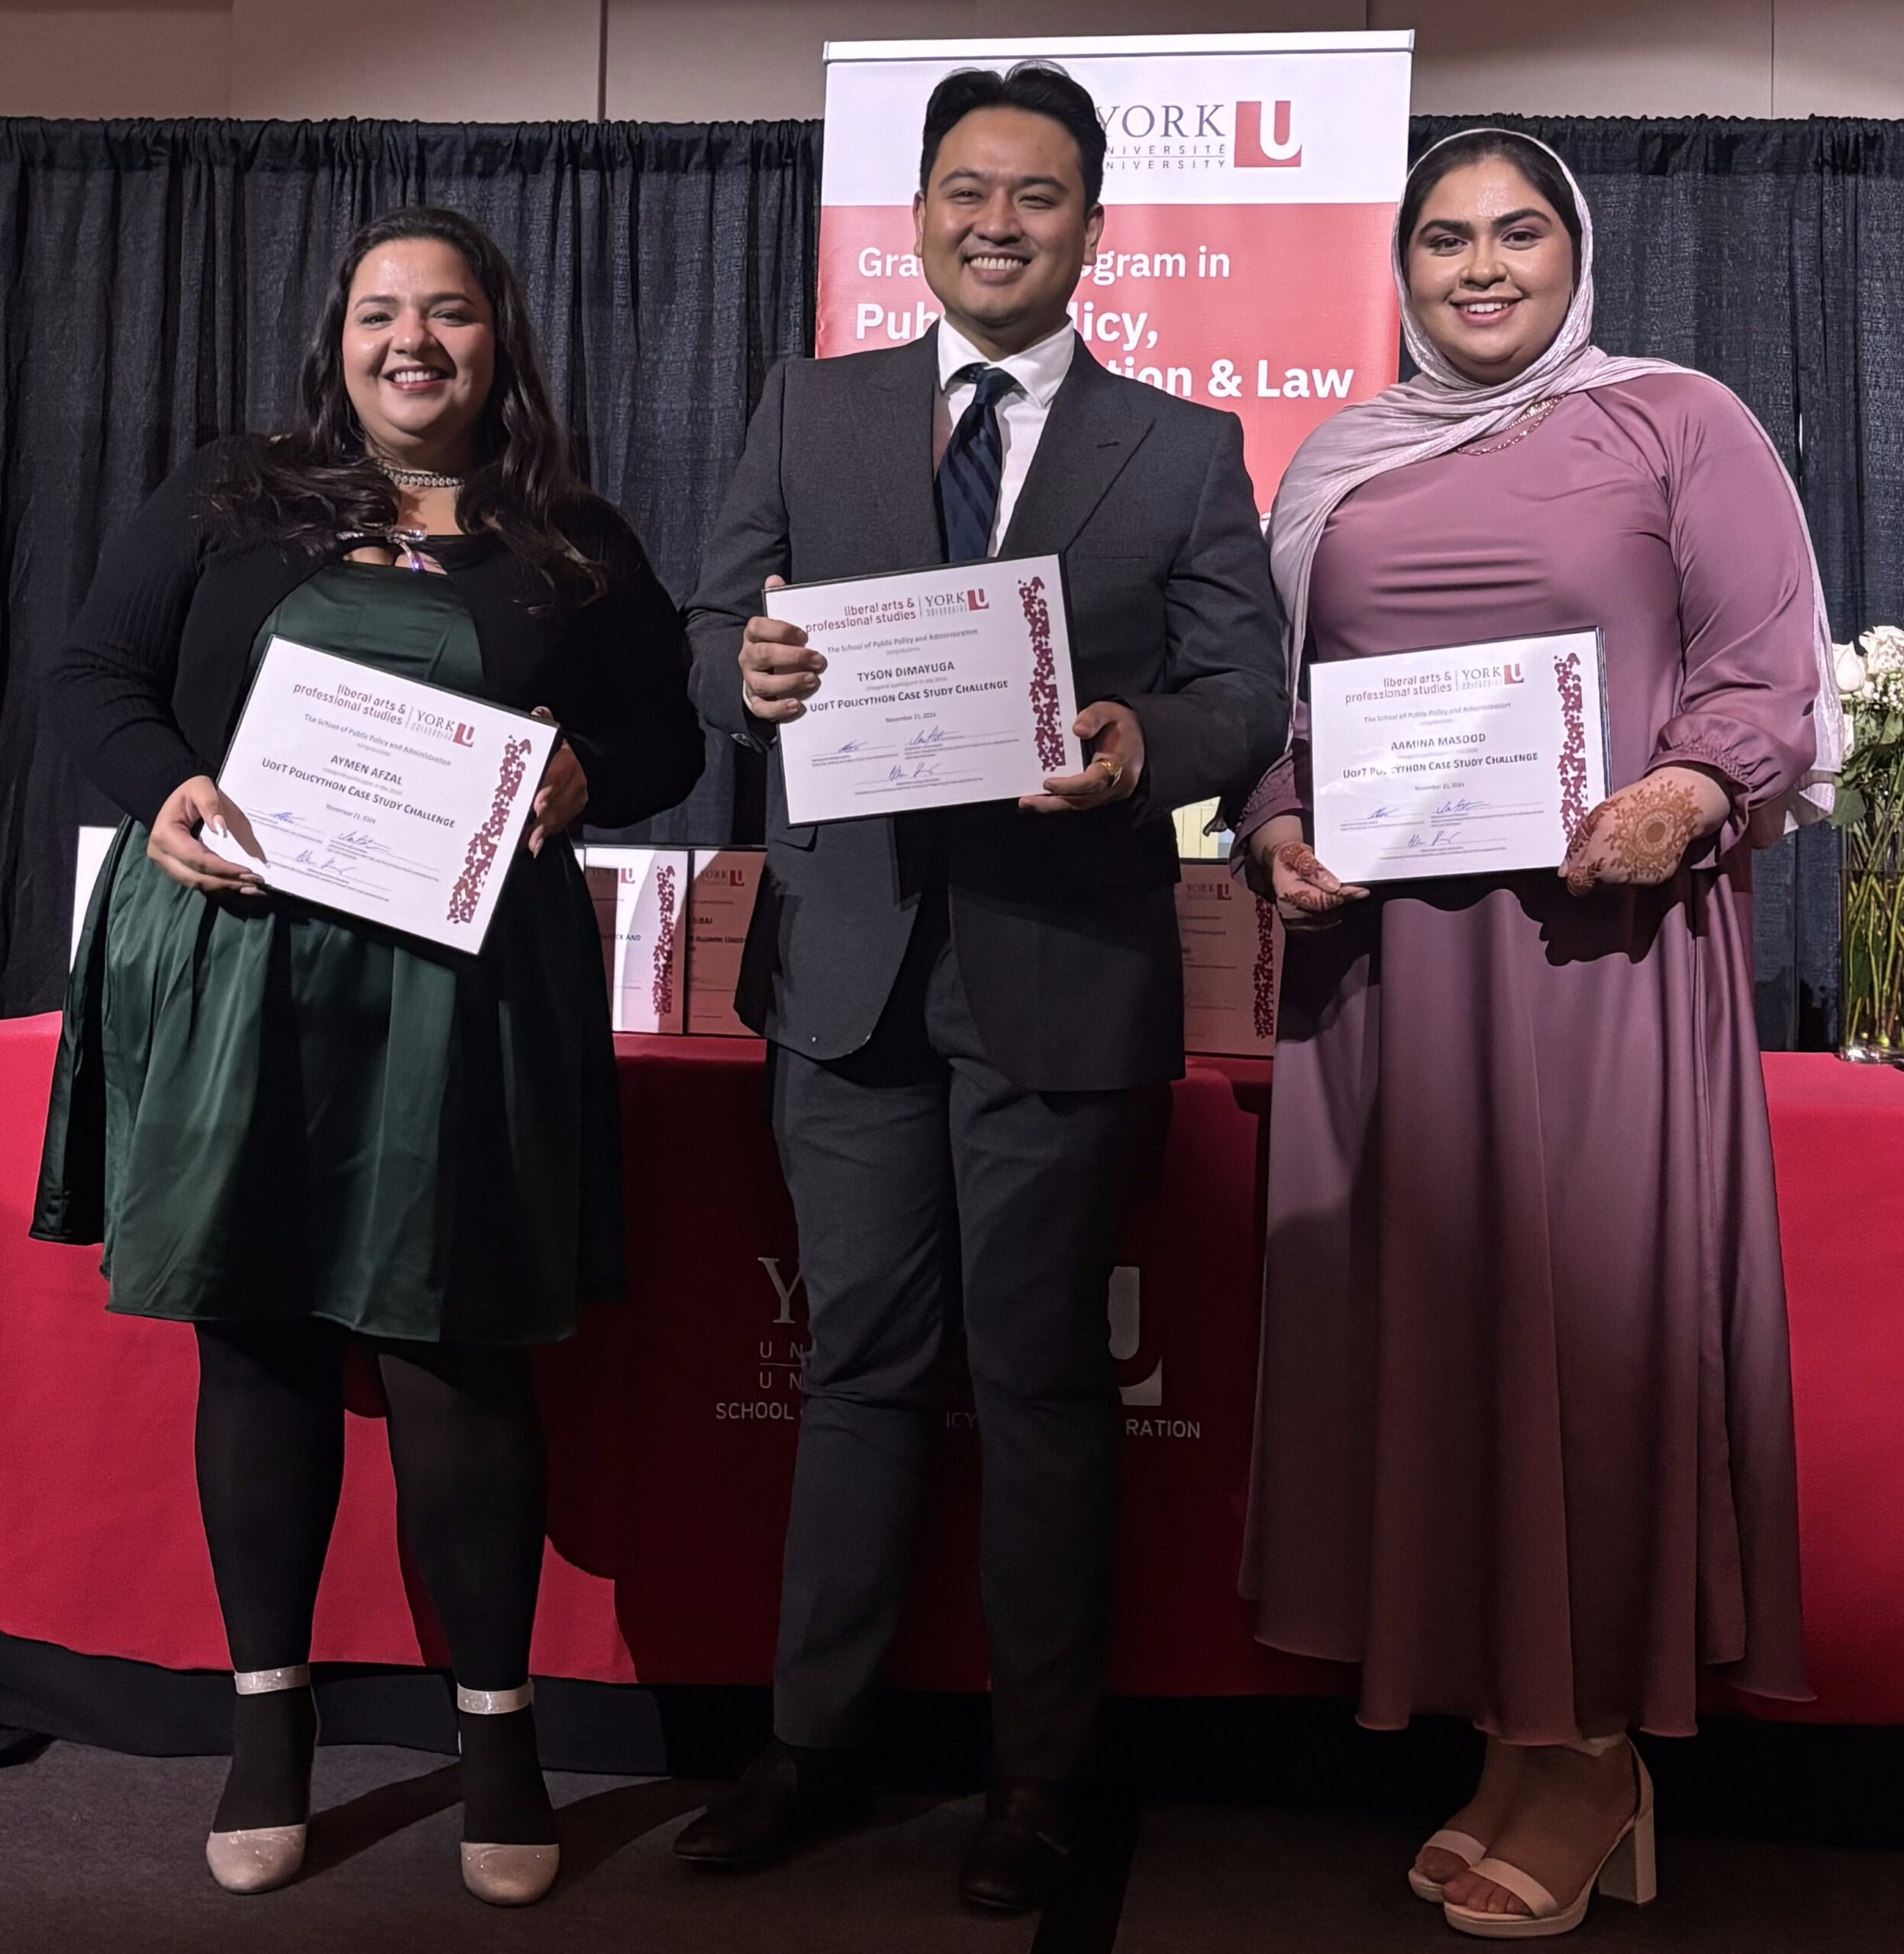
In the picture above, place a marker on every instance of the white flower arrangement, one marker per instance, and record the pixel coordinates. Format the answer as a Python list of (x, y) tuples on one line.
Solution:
[(1870, 676)]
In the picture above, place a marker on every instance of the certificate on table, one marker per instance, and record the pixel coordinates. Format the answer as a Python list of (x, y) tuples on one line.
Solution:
[(386, 798), (942, 687), (640, 898), (720, 908), (1231, 951), (1474, 760)]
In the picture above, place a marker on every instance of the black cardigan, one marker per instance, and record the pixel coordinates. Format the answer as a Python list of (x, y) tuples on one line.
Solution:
[(146, 690)]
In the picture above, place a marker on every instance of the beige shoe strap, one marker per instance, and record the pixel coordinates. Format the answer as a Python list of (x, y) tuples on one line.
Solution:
[(1463, 1845), (494, 1702), (1524, 1886), (264, 1682), (1597, 1747)]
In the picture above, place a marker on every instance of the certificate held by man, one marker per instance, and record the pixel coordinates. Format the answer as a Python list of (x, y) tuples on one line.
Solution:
[(388, 799), (942, 687), (1477, 759)]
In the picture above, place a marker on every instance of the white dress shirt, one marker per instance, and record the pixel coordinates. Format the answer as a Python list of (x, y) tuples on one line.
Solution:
[(1040, 372)]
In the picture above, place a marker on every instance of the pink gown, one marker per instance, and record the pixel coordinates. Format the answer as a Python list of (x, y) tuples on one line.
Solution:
[(1523, 1446)]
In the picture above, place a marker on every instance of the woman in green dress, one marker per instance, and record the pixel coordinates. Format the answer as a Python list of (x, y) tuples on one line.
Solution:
[(289, 1127)]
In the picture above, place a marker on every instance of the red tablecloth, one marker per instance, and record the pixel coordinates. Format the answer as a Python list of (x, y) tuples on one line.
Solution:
[(672, 1420)]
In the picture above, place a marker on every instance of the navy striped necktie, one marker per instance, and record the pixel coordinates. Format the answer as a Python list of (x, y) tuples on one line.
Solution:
[(972, 467)]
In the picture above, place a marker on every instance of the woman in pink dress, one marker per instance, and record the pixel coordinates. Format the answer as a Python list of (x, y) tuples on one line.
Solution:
[(1523, 1447)]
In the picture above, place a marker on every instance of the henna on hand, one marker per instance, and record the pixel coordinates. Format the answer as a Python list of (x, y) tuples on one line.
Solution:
[(1657, 823), (1639, 835), (1300, 858), (1581, 873)]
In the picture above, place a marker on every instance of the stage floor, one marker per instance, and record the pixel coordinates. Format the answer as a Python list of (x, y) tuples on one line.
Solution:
[(1168, 1878)]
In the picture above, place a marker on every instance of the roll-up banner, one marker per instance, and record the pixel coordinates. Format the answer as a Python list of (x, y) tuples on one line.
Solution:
[(1251, 186)]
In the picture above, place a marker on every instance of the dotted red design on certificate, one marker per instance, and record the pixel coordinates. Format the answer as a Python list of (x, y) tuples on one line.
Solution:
[(1566, 673), (480, 857), (1263, 974), (1044, 677), (661, 991)]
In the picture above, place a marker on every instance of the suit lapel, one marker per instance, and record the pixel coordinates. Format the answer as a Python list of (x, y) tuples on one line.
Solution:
[(1094, 428), (892, 417)]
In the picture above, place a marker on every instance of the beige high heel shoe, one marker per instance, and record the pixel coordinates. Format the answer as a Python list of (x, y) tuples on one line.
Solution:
[(1628, 1872), (263, 1856), (506, 1875)]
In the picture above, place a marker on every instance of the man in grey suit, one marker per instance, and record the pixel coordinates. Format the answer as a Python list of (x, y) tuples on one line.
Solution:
[(975, 1013)]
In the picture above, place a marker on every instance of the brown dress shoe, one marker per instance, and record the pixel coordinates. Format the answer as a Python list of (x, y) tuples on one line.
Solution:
[(784, 1800), (1023, 1848)]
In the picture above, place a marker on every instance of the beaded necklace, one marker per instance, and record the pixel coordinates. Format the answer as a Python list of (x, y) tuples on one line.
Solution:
[(420, 478), (1511, 437)]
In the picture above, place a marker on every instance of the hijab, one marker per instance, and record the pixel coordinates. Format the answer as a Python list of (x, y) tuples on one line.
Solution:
[(1440, 410)]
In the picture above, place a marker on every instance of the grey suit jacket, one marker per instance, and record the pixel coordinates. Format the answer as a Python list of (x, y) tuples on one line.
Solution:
[(1065, 924)]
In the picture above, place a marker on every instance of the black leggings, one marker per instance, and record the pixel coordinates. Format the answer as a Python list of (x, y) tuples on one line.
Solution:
[(466, 1443)]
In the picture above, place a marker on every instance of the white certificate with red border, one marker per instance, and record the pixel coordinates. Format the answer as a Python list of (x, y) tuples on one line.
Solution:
[(399, 802), (640, 899), (942, 687), (1231, 946), (720, 908), (1477, 760)]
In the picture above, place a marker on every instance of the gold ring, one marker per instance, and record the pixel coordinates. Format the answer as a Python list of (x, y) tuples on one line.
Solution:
[(1111, 764)]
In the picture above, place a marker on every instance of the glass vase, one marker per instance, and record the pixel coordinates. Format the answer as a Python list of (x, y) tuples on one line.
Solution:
[(1871, 952)]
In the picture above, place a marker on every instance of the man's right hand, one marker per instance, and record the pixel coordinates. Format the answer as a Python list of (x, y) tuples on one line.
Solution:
[(174, 844), (778, 673)]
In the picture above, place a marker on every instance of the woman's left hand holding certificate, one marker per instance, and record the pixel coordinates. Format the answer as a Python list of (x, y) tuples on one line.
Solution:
[(559, 802), (173, 840)]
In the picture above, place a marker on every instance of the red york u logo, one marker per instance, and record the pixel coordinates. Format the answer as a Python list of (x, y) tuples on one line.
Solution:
[(977, 600), (1511, 675), (465, 735), (1282, 150)]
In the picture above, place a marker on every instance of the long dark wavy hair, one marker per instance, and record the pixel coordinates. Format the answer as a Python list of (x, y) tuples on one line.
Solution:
[(314, 484)]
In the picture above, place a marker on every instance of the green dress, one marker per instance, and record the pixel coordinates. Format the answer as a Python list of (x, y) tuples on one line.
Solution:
[(305, 1115)]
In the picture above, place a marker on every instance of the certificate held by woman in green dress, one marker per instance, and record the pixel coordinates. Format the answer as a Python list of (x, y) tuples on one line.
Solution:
[(378, 795)]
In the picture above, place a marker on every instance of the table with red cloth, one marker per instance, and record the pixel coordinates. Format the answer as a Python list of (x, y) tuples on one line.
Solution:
[(672, 1419)]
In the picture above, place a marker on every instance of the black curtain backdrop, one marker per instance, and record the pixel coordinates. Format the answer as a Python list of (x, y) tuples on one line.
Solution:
[(157, 281)]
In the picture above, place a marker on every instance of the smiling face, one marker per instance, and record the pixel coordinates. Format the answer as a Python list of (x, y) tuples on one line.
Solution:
[(419, 353), (1003, 228), (1490, 270)]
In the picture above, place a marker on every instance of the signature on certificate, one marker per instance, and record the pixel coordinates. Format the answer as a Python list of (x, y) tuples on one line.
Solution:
[(926, 736), (918, 770)]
